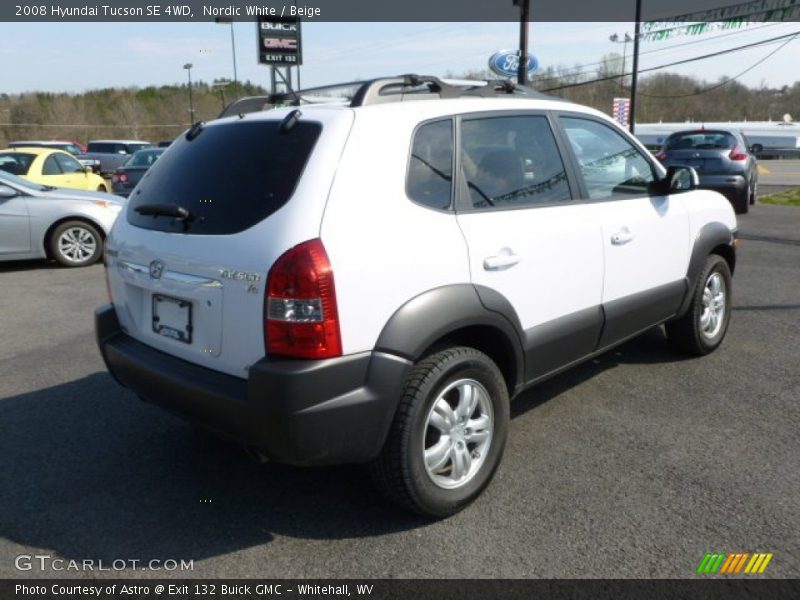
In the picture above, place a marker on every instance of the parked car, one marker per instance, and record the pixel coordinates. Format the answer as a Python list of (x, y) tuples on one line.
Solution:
[(128, 175), (723, 160), (77, 150), (50, 167), (373, 282), (38, 221), (113, 153)]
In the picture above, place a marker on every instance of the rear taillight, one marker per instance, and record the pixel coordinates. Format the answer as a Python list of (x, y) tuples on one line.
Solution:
[(119, 178), (301, 317), (737, 154), (661, 155)]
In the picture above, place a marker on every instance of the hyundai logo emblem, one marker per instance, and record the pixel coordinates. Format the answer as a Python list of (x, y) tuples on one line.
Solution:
[(156, 269)]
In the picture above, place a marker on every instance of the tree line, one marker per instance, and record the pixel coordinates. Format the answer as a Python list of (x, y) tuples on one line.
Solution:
[(160, 113)]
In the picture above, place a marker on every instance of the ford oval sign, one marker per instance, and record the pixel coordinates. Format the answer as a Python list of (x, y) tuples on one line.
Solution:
[(506, 63)]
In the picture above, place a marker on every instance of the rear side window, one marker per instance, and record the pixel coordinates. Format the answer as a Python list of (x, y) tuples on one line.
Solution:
[(16, 163), (430, 169), (230, 177), (512, 162), (68, 164)]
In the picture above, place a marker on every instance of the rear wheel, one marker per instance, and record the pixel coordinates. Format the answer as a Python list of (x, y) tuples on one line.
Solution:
[(76, 244), (742, 202), (753, 192), (101, 188), (701, 330), (448, 435)]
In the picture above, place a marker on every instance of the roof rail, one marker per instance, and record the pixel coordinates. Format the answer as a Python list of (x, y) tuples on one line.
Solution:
[(385, 89)]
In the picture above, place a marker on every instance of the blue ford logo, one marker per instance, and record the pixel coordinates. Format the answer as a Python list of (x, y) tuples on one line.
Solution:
[(506, 63)]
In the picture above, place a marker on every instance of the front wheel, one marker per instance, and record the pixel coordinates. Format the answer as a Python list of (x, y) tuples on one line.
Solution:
[(448, 434), (753, 193), (76, 244), (701, 330)]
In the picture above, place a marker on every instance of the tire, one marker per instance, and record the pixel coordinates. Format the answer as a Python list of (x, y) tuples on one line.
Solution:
[(699, 331), (102, 188), (450, 378), (76, 244), (753, 193), (741, 204)]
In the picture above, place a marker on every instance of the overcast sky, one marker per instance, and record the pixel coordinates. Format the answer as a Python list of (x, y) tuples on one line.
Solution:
[(78, 56)]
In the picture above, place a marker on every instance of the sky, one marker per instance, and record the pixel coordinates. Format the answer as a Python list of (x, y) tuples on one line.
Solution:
[(74, 57)]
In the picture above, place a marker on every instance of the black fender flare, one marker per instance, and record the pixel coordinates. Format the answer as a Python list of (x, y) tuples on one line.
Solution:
[(434, 314), (709, 237)]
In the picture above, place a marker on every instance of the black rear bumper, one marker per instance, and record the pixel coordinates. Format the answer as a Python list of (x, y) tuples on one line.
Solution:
[(294, 411)]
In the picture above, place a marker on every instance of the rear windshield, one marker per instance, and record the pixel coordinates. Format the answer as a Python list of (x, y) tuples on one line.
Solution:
[(229, 177), (701, 140), (16, 163), (143, 158)]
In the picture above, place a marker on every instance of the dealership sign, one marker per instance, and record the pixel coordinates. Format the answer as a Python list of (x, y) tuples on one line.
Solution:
[(279, 42), (506, 63)]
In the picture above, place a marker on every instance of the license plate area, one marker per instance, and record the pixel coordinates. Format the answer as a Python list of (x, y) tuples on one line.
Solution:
[(172, 318)]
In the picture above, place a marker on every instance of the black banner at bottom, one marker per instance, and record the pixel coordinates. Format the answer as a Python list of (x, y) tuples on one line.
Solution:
[(379, 589)]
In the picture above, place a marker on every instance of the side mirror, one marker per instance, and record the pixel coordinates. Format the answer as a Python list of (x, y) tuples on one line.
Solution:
[(756, 149), (682, 179), (6, 193)]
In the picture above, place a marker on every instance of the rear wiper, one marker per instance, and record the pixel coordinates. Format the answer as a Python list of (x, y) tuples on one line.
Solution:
[(165, 210)]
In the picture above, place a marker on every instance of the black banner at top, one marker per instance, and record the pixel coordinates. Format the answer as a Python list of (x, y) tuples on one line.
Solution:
[(393, 11)]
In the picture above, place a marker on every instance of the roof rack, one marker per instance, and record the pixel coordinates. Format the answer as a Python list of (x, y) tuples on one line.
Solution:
[(387, 89)]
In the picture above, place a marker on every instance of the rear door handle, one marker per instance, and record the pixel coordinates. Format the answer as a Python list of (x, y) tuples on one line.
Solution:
[(503, 260), (623, 236)]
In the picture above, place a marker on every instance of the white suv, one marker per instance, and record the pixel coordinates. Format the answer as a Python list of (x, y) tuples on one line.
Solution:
[(373, 281)]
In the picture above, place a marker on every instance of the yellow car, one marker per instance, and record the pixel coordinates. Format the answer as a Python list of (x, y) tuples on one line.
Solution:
[(50, 167)]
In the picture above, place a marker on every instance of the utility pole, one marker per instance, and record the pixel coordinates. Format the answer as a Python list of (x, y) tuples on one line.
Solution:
[(524, 17), (635, 76), (188, 67)]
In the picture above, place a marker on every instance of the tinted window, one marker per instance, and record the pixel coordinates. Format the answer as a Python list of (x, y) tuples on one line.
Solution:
[(131, 148), (512, 162), (16, 163), (106, 148), (143, 158), (430, 170), (700, 140), (68, 164), (611, 166), (50, 166), (229, 177)]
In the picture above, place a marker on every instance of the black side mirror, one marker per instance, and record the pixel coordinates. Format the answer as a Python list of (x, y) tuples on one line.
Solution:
[(678, 180), (756, 149), (6, 192)]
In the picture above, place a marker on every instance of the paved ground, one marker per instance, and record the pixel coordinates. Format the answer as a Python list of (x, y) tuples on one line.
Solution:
[(633, 465), (784, 173)]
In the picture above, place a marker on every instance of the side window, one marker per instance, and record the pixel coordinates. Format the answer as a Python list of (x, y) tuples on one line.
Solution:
[(68, 164), (512, 162), (430, 169), (611, 166), (50, 166)]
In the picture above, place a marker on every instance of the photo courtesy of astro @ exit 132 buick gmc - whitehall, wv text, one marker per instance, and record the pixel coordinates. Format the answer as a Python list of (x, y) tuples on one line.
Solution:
[(373, 281)]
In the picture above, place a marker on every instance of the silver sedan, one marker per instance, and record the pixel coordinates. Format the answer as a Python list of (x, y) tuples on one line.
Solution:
[(39, 221)]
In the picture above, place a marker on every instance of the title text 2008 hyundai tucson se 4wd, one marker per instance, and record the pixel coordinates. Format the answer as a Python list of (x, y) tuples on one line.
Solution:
[(373, 281)]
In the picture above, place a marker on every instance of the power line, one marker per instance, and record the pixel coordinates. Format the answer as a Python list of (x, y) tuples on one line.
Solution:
[(727, 81), (676, 63), (579, 69)]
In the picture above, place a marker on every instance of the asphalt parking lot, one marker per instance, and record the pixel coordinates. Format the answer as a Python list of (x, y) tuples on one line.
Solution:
[(633, 465)]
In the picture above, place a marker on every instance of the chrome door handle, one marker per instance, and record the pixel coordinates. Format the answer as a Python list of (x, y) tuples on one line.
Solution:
[(623, 236), (503, 260)]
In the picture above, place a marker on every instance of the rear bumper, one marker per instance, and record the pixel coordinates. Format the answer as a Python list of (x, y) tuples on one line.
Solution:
[(728, 183), (294, 411)]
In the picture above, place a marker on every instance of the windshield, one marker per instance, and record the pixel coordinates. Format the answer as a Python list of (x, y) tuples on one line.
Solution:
[(229, 177), (701, 140), (6, 177), (16, 163), (143, 158)]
